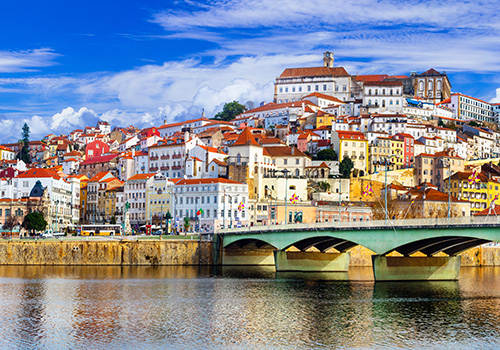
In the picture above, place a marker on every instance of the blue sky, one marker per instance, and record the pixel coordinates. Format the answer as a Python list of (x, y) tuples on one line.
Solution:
[(64, 64)]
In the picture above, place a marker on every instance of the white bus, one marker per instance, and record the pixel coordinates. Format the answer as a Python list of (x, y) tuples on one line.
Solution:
[(100, 230)]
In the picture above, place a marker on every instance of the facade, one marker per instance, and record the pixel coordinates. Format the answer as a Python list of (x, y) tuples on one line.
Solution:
[(135, 193), (383, 96), (295, 83), (432, 85), (223, 203), (354, 145), (434, 168), (467, 107)]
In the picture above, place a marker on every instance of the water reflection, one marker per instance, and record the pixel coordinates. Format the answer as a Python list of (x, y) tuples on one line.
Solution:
[(241, 308)]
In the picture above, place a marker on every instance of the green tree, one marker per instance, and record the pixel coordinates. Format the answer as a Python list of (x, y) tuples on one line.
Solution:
[(24, 153), (168, 216), (326, 154), (323, 186), (345, 167), (113, 220), (34, 221), (230, 111), (187, 224)]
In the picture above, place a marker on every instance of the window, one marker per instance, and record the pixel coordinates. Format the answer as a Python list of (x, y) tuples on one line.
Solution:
[(316, 87), (324, 87), (285, 161), (297, 161)]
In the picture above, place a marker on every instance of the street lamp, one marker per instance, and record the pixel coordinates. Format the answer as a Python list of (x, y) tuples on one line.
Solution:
[(286, 171), (386, 161)]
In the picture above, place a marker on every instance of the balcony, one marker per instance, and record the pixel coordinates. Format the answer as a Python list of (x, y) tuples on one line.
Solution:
[(164, 168), (153, 158), (153, 169), (164, 157), (176, 156), (176, 167)]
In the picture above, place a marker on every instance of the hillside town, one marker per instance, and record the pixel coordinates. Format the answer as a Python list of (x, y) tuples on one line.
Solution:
[(330, 147)]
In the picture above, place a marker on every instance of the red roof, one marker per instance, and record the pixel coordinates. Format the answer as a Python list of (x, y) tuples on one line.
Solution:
[(371, 77), (142, 176), (325, 97), (245, 138), (207, 181), (38, 173), (100, 159), (314, 72)]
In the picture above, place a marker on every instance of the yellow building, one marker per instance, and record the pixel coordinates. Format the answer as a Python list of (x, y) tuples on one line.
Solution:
[(83, 194), (6, 153), (158, 197), (354, 145), (397, 148), (379, 151), (324, 119), (479, 193)]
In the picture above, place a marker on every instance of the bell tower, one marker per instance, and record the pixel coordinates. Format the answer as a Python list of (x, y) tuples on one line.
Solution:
[(328, 59)]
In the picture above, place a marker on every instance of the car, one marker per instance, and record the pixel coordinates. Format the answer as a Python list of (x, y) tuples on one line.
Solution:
[(157, 233), (47, 235)]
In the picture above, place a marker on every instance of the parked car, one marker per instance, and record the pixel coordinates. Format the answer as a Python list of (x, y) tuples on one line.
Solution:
[(157, 233), (47, 235)]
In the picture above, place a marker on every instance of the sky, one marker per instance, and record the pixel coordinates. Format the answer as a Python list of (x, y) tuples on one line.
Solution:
[(67, 64)]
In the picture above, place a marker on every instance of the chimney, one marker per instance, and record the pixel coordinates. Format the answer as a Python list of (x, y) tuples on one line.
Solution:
[(328, 59), (293, 150), (203, 112)]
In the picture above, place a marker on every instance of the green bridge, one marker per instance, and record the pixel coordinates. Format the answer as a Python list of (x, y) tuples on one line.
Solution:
[(325, 246)]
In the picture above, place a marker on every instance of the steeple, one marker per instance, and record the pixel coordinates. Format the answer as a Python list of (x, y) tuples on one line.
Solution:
[(328, 59)]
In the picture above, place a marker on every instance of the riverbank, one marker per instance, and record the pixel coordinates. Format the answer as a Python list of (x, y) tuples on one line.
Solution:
[(155, 252), (110, 252)]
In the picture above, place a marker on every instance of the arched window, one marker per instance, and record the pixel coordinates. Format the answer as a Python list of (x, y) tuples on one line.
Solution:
[(397, 102), (369, 102), (238, 158), (383, 91), (430, 84), (383, 103), (297, 172), (292, 188), (439, 85), (391, 92), (376, 91), (390, 102), (369, 91), (376, 103)]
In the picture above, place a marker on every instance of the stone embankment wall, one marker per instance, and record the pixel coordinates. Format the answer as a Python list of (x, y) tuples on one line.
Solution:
[(479, 256), (133, 253)]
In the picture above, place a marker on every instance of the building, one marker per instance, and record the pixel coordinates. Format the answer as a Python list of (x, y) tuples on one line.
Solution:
[(481, 193), (434, 168), (158, 198), (432, 85), (467, 107), (210, 204), (91, 167), (383, 97), (354, 145), (295, 83), (135, 193)]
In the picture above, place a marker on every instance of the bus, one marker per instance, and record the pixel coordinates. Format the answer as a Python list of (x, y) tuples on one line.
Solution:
[(100, 230)]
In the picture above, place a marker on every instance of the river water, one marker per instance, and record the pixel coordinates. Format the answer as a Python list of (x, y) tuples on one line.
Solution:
[(242, 308)]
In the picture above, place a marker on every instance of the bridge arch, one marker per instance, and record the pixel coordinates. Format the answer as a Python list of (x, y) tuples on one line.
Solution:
[(250, 243), (450, 245), (323, 243)]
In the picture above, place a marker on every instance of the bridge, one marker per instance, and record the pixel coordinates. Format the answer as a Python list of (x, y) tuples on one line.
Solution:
[(425, 249)]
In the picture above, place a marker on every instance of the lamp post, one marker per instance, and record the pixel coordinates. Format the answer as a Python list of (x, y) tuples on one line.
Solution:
[(286, 171), (385, 162), (449, 187)]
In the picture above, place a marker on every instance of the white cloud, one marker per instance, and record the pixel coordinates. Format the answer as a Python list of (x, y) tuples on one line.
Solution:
[(25, 61), (497, 98)]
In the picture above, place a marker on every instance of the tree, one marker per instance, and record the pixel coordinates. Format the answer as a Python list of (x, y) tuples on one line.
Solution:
[(168, 216), (187, 224), (24, 153), (230, 111), (10, 222), (345, 167), (34, 221), (113, 220), (326, 154), (323, 186)]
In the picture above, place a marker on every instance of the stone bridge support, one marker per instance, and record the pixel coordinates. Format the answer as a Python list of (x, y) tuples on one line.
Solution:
[(386, 268), (247, 256), (311, 261)]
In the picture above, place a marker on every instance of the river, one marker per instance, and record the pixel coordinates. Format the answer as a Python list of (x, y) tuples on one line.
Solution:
[(242, 308)]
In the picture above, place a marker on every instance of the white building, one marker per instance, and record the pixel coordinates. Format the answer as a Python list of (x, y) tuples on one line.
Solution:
[(467, 107), (136, 195), (383, 97), (220, 203)]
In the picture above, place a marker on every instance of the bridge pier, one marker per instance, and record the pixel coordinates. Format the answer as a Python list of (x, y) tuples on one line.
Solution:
[(239, 257), (311, 261), (386, 268)]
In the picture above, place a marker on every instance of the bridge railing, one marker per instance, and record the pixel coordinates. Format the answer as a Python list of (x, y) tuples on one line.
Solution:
[(427, 222)]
